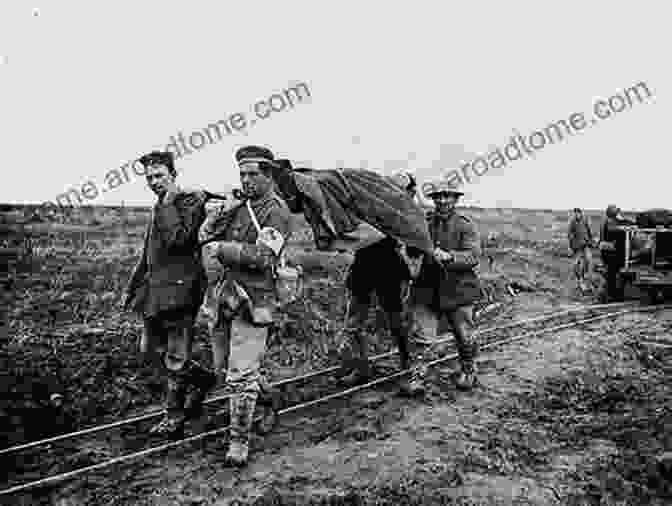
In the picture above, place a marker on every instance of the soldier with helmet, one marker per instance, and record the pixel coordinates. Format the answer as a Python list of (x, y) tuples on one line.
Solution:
[(455, 265)]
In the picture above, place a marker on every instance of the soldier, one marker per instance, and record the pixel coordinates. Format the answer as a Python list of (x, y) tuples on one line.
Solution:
[(612, 251), (448, 285), (385, 268), (580, 238), (165, 288), (243, 246)]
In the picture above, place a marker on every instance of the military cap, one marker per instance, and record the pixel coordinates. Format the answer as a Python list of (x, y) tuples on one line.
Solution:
[(430, 189), (159, 158), (254, 154)]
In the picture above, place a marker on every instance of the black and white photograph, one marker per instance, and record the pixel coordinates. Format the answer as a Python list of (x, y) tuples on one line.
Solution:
[(341, 254)]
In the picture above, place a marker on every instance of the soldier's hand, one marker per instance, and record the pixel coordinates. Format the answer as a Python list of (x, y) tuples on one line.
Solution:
[(442, 255)]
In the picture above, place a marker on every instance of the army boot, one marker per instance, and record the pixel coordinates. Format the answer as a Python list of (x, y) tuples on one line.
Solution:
[(466, 378), (242, 413), (173, 421), (199, 382), (414, 384), (356, 368), (269, 402)]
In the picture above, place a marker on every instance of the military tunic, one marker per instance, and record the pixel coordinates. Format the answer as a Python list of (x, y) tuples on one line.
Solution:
[(166, 283), (447, 290), (458, 283), (245, 287)]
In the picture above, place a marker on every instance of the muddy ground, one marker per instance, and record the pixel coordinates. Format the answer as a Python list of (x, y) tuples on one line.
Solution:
[(582, 416)]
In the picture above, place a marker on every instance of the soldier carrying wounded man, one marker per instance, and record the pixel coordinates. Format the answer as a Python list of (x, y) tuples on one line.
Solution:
[(242, 250)]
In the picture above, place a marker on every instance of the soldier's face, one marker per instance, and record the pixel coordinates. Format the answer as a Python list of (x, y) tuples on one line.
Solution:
[(255, 183), (159, 179), (445, 202)]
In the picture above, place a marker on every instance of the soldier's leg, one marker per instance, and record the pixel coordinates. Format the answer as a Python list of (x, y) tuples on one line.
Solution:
[(578, 266), (461, 321), (153, 346), (614, 290), (199, 379), (247, 347), (220, 344), (354, 346), (587, 262), (179, 332), (392, 301), (423, 333), (400, 333), (153, 343)]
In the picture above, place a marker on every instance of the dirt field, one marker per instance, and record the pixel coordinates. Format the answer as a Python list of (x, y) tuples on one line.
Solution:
[(578, 417)]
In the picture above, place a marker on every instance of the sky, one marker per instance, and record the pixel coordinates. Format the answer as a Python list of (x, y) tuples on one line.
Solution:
[(421, 86)]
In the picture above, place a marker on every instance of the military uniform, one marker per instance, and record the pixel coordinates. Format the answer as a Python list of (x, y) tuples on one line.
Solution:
[(612, 251), (242, 299), (580, 238), (164, 288), (385, 268), (447, 288)]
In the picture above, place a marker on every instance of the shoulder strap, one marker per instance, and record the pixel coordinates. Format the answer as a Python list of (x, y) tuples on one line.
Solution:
[(253, 216)]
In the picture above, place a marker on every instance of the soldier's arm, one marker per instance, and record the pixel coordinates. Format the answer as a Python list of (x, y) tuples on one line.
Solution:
[(137, 275), (257, 256), (467, 256), (261, 256), (570, 231), (176, 226), (209, 225)]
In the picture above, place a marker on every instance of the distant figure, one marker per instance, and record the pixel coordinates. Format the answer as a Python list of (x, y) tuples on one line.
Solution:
[(580, 238), (612, 250)]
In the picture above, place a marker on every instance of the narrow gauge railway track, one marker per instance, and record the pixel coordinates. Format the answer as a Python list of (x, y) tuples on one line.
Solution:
[(501, 335)]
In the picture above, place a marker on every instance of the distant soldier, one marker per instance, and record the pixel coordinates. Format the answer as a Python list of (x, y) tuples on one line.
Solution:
[(612, 250), (242, 248), (580, 238), (448, 285), (165, 288)]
